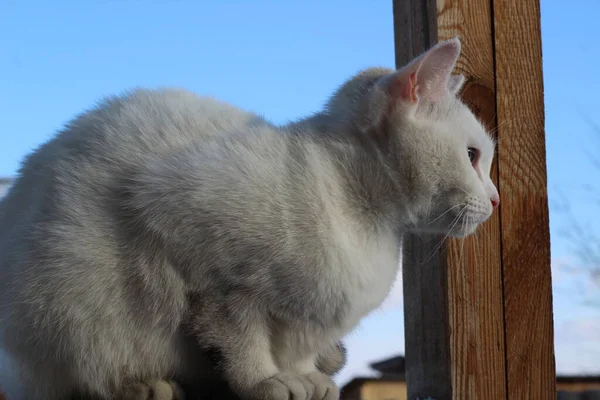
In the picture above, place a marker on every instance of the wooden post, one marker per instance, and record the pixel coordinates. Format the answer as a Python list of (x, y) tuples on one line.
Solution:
[(424, 274), (478, 315), (475, 265), (528, 318)]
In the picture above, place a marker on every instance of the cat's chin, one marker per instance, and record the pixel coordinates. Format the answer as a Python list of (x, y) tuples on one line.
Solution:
[(462, 232), (457, 232)]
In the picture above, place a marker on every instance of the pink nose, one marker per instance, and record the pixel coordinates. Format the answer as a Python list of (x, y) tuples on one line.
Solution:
[(495, 201)]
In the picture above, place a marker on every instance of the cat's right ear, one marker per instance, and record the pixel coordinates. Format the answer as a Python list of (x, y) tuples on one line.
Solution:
[(426, 78)]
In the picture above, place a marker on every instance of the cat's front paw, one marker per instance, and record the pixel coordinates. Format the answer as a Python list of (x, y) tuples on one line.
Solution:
[(283, 386), (324, 387), (286, 386), (155, 390)]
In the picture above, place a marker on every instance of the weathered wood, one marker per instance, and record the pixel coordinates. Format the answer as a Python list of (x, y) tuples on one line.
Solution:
[(426, 325), (415, 28), (475, 263), (524, 210), (425, 273), (478, 314)]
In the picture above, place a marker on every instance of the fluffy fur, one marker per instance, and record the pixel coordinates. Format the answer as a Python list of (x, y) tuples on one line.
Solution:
[(160, 227)]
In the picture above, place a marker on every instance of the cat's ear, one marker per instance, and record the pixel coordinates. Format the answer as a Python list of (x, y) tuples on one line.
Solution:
[(455, 83), (427, 77)]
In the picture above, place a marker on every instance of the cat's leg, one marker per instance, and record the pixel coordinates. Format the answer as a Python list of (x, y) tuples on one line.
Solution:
[(151, 390), (136, 390), (250, 370), (324, 386), (321, 368), (247, 363), (331, 360), (294, 350)]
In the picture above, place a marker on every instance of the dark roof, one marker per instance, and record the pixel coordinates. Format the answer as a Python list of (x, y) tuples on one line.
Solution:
[(578, 378), (561, 395), (587, 395), (358, 382), (395, 365)]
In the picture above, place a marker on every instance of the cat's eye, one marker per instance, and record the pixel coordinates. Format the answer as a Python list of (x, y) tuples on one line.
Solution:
[(473, 154)]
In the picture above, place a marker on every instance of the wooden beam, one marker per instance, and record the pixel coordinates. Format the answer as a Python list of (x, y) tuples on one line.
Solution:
[(478, 320), (524, 210), (475, 264), (425, 281)]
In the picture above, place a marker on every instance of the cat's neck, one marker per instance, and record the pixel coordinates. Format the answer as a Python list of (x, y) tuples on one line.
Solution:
[(371, 189)]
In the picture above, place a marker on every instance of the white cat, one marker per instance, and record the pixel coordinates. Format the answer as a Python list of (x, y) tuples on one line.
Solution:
[(159, 224)]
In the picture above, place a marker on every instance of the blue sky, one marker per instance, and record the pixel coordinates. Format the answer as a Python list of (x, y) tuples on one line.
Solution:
[(282, 59)]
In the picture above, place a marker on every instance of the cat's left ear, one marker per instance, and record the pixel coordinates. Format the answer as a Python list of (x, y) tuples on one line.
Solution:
[(428, 77), (455, 83)]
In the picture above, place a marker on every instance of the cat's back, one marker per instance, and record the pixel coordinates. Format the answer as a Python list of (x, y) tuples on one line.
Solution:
[(145, 121), (67, 188), (120, 133)]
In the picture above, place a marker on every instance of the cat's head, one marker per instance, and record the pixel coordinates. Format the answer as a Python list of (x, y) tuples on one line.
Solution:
[(436, 149)]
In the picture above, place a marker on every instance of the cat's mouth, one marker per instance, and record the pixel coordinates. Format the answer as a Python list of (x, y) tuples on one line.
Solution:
[(467, 223), (459, 225)]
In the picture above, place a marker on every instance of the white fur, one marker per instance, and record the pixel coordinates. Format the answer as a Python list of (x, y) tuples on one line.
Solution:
[(159, 210)]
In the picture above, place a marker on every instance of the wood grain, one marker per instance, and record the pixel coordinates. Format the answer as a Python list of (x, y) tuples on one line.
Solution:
[(524, 204), (425, 280), (475, 264), (478, 314)]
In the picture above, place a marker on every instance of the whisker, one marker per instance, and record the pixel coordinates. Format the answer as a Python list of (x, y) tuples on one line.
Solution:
[(488, 235), (465, 191), (494, 129), (467, 249), (445, 212), (435, 250), (455, 221), (462, 245), (476, 249)]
